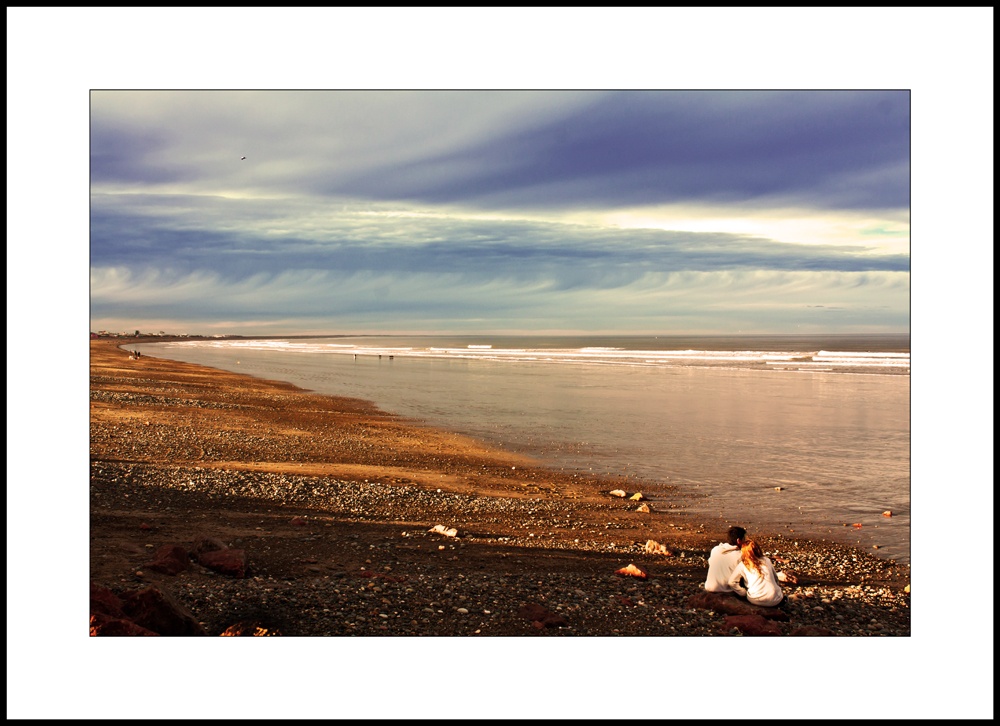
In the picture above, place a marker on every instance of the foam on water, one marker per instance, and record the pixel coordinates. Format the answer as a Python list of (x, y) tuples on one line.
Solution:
[(845, 361)]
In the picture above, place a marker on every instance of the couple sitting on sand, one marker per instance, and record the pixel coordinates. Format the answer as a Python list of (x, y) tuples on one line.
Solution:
[(739, 566)]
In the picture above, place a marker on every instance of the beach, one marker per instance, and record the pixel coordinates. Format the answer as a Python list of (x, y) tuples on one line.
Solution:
[(350, 521)]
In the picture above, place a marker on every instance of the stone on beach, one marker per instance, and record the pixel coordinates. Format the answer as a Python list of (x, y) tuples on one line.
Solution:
[(170, 560), (227, 562), (655, 548), (632, 571)]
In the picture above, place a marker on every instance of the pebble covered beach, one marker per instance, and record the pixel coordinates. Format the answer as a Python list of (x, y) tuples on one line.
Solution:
[(353, 522)]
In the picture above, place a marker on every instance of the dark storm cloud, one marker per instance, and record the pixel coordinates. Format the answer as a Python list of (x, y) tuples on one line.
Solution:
[(369, 242), (833, 149)]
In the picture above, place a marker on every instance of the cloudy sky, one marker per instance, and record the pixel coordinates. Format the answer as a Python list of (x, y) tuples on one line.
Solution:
[(491, 211)]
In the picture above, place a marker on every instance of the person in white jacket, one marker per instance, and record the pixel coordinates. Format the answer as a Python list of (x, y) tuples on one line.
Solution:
[(756, 570), (723, 559)]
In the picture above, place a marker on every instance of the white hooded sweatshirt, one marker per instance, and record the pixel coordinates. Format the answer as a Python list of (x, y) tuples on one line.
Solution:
[(762, 587), (721, 563)]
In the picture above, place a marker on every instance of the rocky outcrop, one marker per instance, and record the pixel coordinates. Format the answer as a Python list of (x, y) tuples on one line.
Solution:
[(107, 616), (149, 611), (156, 610)]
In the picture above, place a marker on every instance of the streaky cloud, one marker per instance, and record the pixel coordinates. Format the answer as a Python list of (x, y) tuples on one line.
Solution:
[(190, 238)]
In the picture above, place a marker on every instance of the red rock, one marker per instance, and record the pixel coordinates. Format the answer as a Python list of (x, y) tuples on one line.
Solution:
[(298, 521), (155, 610), (101, 625), (170, 560), (105, 602), (228, 562)]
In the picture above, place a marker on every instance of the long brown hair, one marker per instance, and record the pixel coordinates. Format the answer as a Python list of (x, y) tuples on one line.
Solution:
[(752, 555)]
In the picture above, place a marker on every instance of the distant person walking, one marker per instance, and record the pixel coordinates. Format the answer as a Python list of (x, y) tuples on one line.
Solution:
[(756, 570), (723, 560)]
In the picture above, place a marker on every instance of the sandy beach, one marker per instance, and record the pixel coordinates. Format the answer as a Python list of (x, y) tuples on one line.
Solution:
[(351, 521)]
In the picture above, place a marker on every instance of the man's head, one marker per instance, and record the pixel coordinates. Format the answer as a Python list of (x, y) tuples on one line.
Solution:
[(736, 535)]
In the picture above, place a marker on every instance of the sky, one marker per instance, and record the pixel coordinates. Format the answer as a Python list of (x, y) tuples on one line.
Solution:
[(470, 211), (532, 205)]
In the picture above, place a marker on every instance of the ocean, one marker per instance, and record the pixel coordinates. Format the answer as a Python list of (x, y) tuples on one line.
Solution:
[(796, 435)]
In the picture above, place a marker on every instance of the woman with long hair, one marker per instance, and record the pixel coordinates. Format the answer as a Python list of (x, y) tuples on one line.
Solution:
[(756, 570)]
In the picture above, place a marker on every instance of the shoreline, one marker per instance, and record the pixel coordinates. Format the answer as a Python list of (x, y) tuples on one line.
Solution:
[(175, 446), (823, 515)]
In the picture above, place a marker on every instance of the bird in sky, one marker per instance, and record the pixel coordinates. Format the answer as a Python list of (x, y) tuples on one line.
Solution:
[(243, 158)]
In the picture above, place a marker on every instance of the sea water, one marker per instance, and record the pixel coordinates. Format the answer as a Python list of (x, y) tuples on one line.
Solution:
[(796, 435)]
